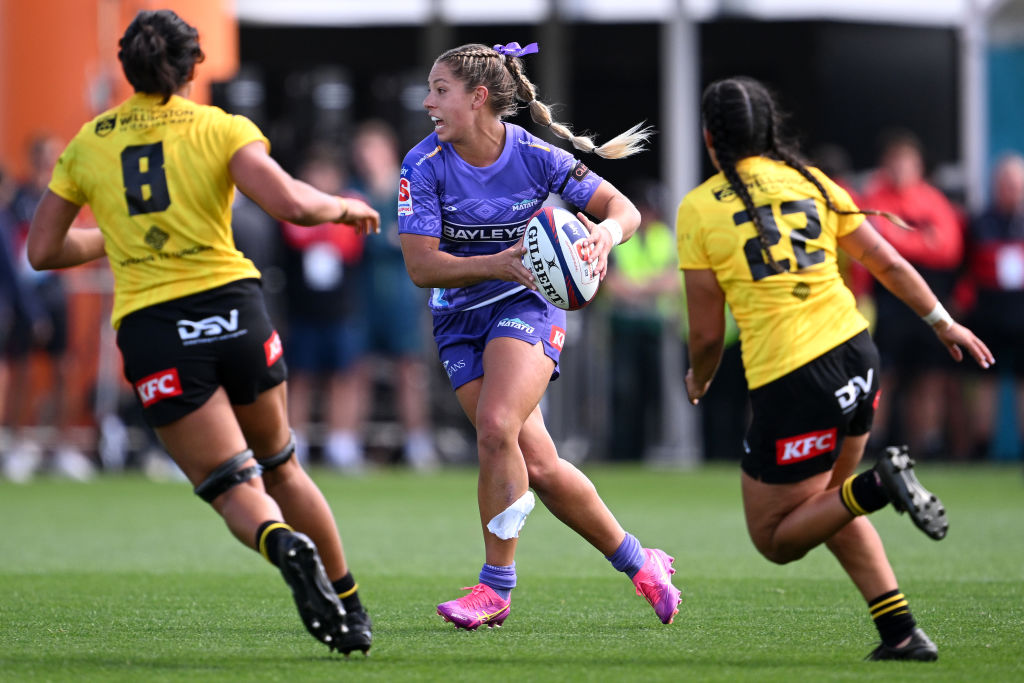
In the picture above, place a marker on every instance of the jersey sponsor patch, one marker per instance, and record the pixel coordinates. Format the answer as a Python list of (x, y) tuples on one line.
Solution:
[(579, 171), (557, 338), (158, 386), (273, 349), (105, 126), (793, 449), (404, 197)]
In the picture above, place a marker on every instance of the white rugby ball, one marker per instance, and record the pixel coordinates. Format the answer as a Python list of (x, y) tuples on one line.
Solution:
[(556, 251)]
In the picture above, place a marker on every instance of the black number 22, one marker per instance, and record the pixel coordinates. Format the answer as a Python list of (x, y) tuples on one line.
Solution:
[(137, 180), (798, 238)]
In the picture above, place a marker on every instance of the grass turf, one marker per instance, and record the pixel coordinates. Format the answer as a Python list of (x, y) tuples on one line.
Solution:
[(127, 579)]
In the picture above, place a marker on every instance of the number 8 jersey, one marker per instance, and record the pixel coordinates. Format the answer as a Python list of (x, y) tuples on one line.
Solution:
[(156, 178), (785, 319)]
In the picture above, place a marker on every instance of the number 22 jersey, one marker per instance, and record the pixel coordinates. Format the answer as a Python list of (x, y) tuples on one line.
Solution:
[(785, 319), (156, 178)]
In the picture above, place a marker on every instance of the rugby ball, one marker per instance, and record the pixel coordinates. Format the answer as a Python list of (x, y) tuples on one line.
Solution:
[(556, 251)]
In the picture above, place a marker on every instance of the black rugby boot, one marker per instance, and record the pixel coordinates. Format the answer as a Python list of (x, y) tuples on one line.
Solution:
[(318, 604), (360, 633), (895, 469), (920, 648)]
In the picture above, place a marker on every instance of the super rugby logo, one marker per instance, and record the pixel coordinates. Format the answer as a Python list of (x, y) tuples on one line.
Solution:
[(404, 197), (209, 329), (796, 448), (158, 386), (537, 264)]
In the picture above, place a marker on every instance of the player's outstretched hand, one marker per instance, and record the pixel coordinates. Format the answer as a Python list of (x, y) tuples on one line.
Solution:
[(598, 245), (508, 265), (360, 216), (957, 337)]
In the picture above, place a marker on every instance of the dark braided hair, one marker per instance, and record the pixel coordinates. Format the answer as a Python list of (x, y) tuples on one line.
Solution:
[(741, 116), (158, 52), (506, 82)]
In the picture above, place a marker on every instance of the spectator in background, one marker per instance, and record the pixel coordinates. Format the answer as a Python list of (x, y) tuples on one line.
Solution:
[(394, 305), (995, 267), (323, 310), (913, 367), (14, 301), (643, 285), (47, 333)]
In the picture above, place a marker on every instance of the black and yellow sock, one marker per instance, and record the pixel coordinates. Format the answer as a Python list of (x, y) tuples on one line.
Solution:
[(348, 593), (863, 493), (268, 536), (892, 616)]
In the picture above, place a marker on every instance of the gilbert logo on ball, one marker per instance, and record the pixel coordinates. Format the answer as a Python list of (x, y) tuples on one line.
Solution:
[(556, 254)]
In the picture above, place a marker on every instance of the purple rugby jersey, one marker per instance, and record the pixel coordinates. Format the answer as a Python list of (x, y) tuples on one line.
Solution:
[(475, 210)]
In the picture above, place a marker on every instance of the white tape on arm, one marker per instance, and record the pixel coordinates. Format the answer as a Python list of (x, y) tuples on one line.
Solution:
[(614, 229), (938, 313), (509, 521)]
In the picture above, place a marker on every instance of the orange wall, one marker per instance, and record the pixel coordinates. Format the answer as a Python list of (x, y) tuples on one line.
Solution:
[(59, 68)]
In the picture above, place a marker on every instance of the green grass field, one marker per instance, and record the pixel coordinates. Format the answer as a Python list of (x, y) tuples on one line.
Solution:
[(127, 579)]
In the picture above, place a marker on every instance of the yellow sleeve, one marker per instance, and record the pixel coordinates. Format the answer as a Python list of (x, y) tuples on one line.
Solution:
[(240, 131), (689, 238), (61, 182), (845, 223)]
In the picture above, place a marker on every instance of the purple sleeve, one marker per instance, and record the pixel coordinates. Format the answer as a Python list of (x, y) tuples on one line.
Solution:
[(571, 179), (419, 206)]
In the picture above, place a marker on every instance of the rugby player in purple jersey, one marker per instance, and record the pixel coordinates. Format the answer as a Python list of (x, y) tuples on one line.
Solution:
[(466, 193)]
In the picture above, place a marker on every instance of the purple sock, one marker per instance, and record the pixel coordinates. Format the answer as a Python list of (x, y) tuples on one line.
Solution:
[(629, 557), (500, 579)]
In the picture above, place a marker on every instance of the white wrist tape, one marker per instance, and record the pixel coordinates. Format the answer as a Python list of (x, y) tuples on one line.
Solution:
[(509, 521), (938, 313), (614, 229)]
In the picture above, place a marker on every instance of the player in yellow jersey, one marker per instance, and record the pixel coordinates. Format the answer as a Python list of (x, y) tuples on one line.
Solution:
[(159, 173), (762, 235)]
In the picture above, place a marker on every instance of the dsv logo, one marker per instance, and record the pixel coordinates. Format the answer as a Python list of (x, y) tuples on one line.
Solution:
[(214, 326), (857, 386)]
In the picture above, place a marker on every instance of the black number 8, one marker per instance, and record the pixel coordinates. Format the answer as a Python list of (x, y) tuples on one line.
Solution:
[(759, 268), (137, 180)]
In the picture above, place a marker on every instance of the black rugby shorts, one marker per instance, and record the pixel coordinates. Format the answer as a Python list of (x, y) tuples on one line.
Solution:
[(800, 419), (178, 352)]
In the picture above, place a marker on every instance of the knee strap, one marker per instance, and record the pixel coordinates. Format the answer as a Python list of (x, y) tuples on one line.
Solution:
[(279, 458), (229, 474)]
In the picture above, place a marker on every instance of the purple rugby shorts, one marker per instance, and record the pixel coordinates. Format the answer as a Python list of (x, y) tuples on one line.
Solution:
[(462, 335)]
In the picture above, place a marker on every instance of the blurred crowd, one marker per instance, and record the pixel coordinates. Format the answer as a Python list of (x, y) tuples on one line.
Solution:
[(361, 377)]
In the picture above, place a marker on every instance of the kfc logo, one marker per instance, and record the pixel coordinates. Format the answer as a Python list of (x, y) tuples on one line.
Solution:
[(273, 348), (797, 448), (557, 337), (159, 386)]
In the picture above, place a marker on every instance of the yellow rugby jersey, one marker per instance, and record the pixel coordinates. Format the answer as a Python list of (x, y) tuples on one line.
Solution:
[(785, 319), (156, 177)]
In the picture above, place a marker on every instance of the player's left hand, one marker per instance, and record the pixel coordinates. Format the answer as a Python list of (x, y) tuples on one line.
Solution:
[(599, 244)]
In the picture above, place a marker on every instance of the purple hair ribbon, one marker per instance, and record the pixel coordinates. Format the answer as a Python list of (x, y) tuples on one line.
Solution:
[(513, 49)]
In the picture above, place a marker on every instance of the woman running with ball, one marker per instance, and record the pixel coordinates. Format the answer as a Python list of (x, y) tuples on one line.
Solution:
[(466, 193), (762, 235)]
